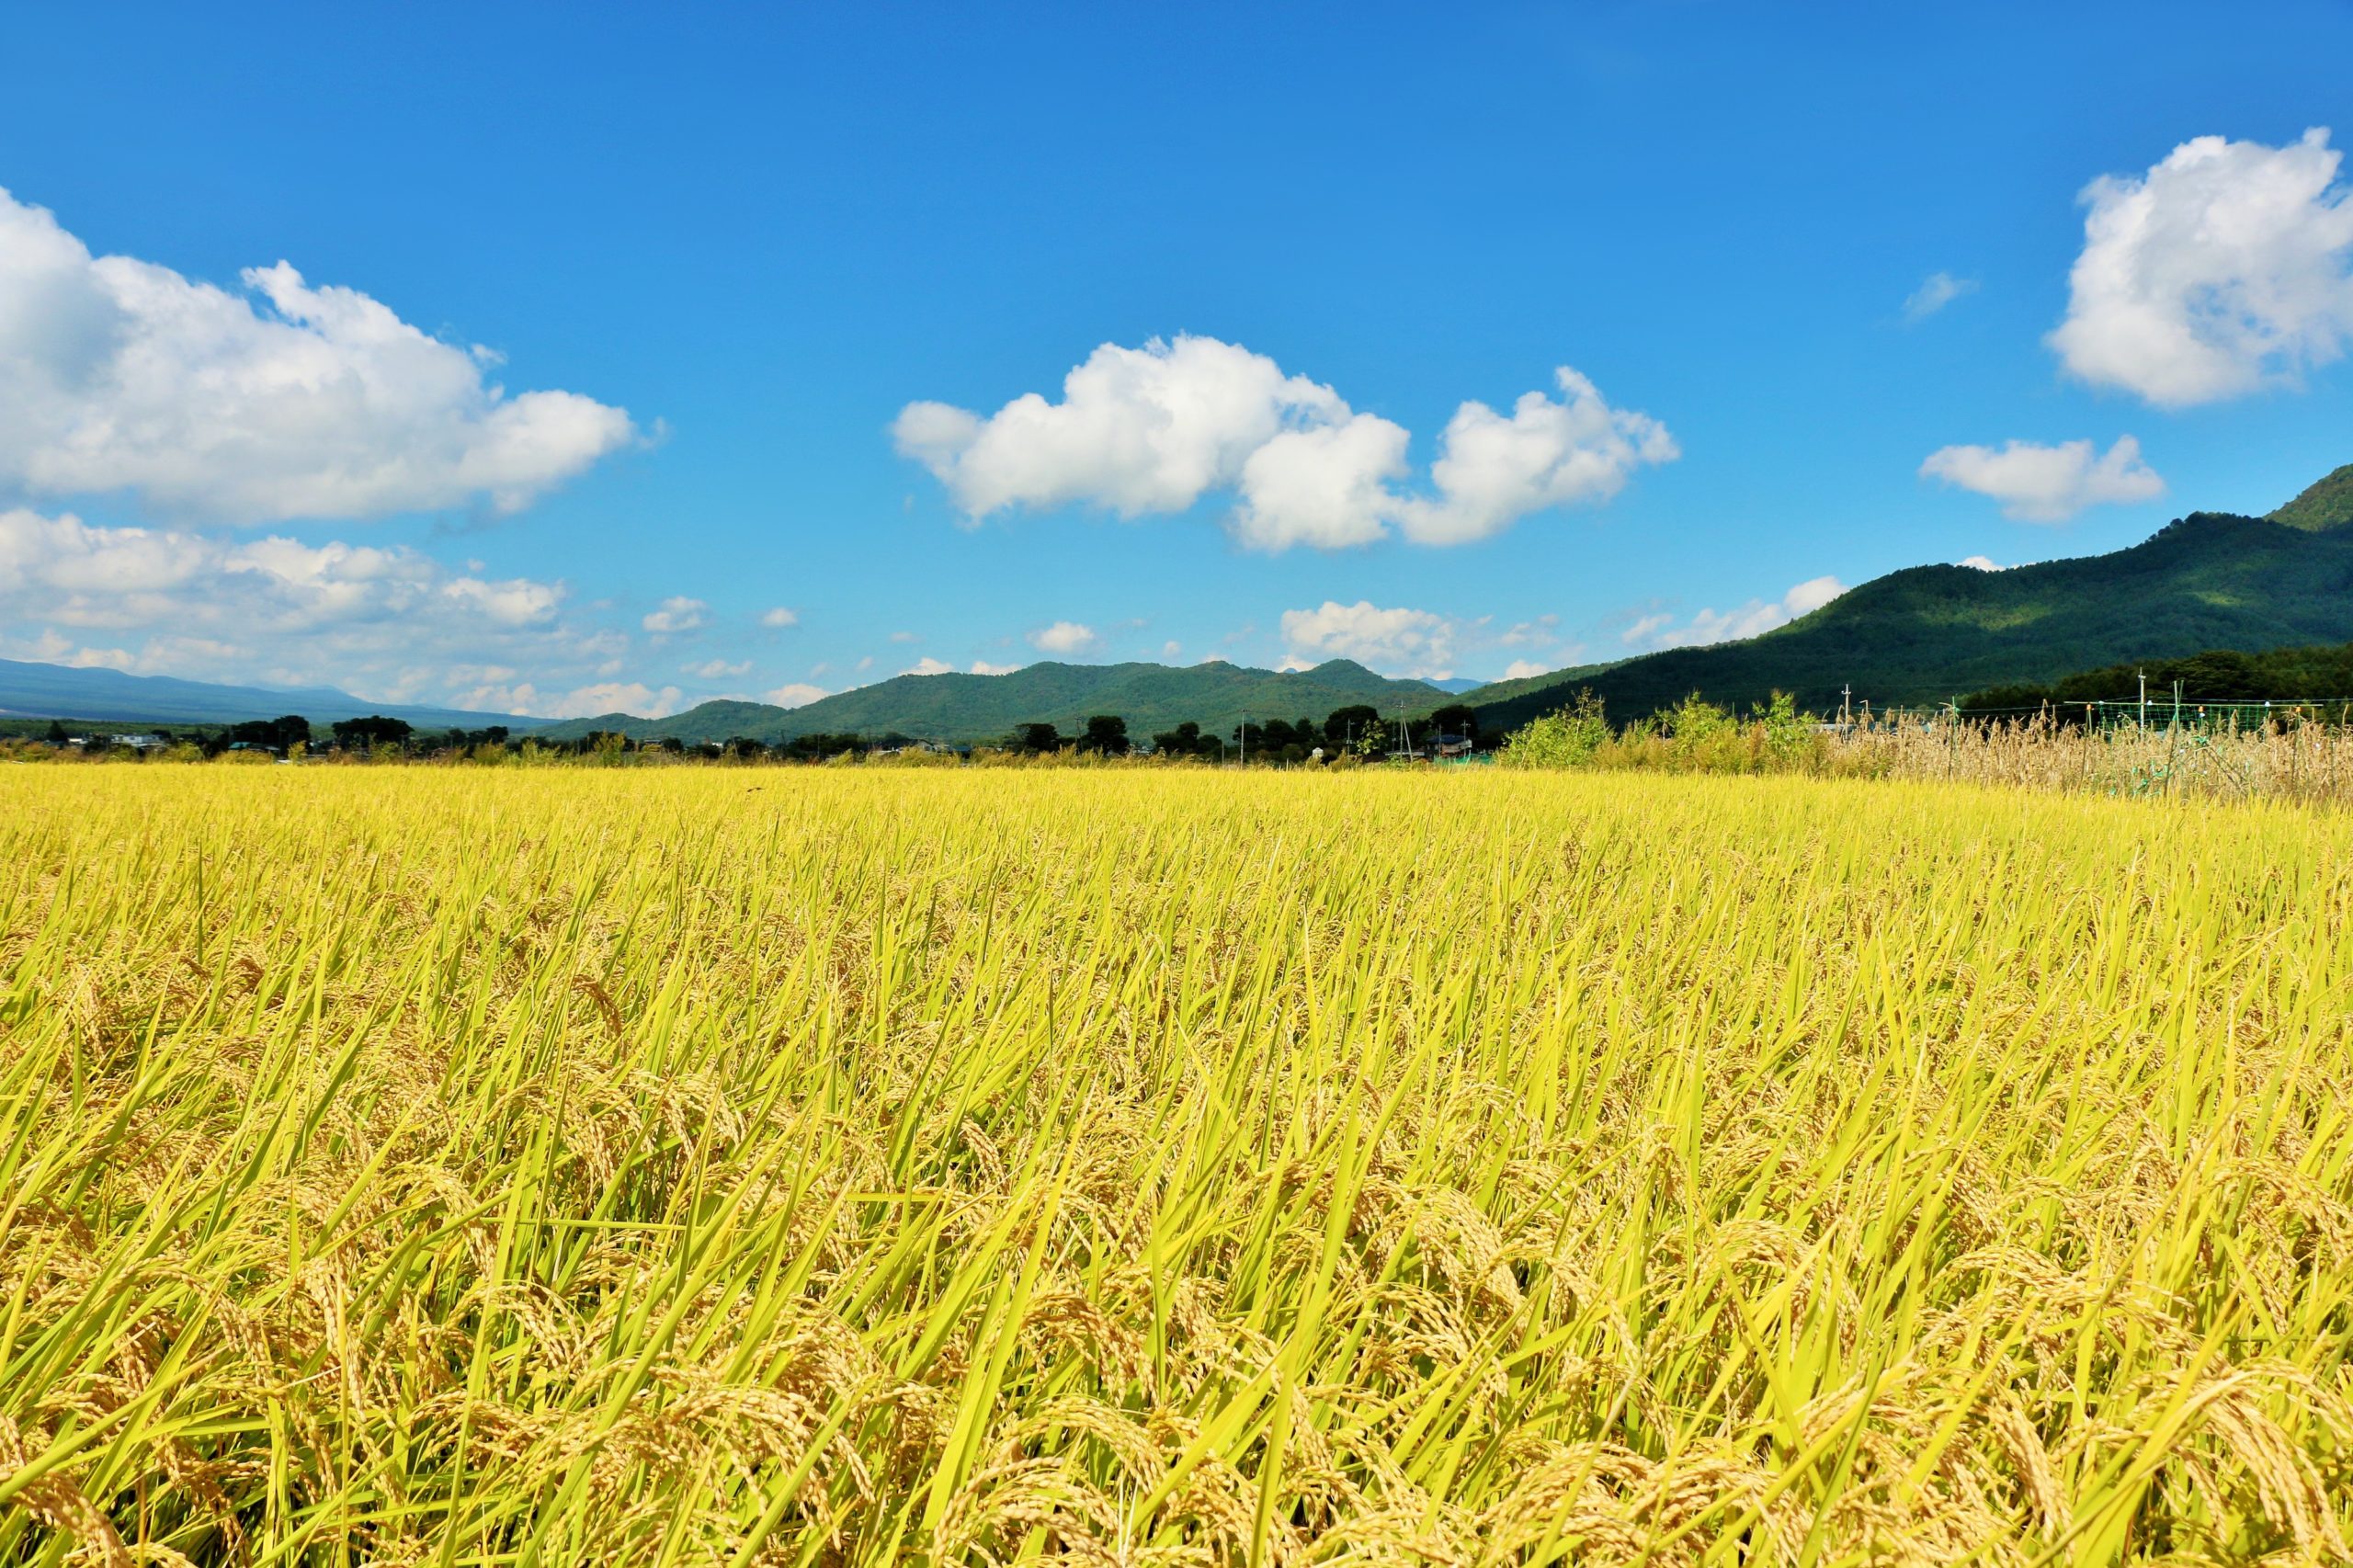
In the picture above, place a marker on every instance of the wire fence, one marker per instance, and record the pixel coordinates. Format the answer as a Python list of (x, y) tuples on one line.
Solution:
[(2155, 713)]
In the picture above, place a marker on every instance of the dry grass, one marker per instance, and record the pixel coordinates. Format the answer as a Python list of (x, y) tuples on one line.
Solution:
[(1158, 1167), (2288, 759)]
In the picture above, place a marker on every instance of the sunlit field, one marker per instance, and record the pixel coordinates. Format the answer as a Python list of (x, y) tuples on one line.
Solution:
[(731, 1165)]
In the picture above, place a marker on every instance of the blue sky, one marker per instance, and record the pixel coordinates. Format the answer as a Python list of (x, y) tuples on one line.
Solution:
[(728, 248)]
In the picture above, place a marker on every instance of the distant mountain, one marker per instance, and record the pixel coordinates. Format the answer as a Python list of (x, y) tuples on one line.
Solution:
[(966, 707), (1927, 633), (1457, 684), (58, 691), (1480, 696)]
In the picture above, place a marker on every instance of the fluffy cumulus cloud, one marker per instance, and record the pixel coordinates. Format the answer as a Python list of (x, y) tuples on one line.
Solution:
[(983, 667), (1522, 669), (1934, 292), (2048, 484), (1493, 471), (168, 601), (1065, 639), (1981, 563), (1758, 615), (795, 694), (778, 619), (2225, 268), (1416, 643), (1327, 486), (1152, 430), (928, 666), (277, 400)]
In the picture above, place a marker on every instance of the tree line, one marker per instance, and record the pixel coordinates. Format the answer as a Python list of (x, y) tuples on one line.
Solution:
[(2218, 675), (1357, 729)]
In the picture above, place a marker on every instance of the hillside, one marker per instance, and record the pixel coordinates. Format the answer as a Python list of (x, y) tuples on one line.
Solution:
[(966, 707), (1498, 692), (2217, 674), (2209, 579), (2325, 505), (58, 691)]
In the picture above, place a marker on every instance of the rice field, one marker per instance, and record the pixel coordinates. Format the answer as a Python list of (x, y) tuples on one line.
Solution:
[(732, 1166)]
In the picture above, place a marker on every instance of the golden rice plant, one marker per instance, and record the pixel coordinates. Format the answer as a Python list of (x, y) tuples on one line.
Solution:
[(721, 1165)]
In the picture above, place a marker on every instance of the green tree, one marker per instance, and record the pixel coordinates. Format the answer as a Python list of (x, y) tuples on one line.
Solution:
[(1347, 726), (1562, 739), (367, 733), (1034, 738), (1107, 734), (1185, 740), (1456, 719)]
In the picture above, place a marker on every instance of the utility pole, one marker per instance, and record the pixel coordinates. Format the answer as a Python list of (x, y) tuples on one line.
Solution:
[(1846, 700), (2145, 697)]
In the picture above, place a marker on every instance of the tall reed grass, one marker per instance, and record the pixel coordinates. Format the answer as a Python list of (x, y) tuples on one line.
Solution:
[(2290, 760), (850, 1166)]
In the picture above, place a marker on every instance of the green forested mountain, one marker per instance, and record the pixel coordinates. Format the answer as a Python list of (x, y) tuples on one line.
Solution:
[(2327, 504), (964, 708), (1928, 633), (2217, 674)]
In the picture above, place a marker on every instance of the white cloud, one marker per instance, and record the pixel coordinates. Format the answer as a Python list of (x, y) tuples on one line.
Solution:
[(983, 667), (1934, 292), (1544, 629), (1138, 430), (1065, 637), (678, 614), (780, 617), (391, 624), (1521, 669), (63, 572), (904, 637), (795, 694), (1416, 642), (717, 669), (1327, 486), (1171, 649), (1750, 619), (1648, 627), (1492, 471), (928, 666), (1152, 430), (605, 696), (255, 405), (2226, 267), (2037, 483), (1979, 563), (1812, 594)]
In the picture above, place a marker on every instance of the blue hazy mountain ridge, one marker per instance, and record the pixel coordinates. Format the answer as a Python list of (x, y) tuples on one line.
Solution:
[(60, 691)]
